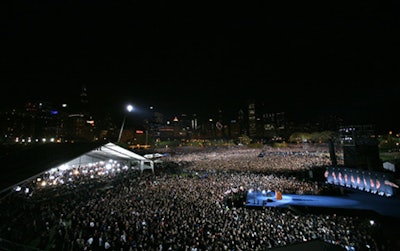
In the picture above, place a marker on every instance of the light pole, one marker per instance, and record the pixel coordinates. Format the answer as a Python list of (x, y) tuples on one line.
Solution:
[(129, 108)]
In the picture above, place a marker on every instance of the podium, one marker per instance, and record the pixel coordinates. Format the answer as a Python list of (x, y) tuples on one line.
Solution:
[(278, 195)]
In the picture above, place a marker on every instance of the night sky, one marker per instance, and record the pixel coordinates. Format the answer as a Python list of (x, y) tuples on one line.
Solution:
[(304, 59)]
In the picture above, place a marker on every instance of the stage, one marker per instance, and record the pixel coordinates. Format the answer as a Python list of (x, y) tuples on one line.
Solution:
[(351, 199)]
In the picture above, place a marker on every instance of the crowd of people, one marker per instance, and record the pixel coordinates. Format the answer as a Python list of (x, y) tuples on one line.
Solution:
[(184, 209)]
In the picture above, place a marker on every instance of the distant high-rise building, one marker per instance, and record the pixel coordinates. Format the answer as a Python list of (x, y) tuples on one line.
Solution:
[(84, 100), (251, 109), (238, 126), (262, 124)]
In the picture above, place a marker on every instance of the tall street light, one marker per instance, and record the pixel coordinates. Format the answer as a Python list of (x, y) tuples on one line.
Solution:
[(129, 108)]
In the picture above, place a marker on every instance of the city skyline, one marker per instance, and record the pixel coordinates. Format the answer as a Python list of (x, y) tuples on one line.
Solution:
[(340, 60), (143, 111)]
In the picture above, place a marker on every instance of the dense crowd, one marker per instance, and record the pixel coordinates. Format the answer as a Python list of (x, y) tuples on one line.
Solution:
[(182, 206)]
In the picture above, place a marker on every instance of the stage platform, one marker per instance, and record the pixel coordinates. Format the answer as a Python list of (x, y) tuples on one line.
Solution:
[(357, 200)]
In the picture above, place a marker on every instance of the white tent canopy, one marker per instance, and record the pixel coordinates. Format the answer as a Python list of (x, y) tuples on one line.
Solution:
[(111, 151), (108, 156)]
